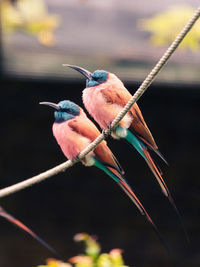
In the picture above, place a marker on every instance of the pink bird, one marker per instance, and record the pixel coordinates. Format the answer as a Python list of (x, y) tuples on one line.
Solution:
[(104, 97), (74, 132), (22, 226)]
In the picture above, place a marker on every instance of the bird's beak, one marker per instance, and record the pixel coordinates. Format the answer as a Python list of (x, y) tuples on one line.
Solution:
[(56, 106), (83, 71)]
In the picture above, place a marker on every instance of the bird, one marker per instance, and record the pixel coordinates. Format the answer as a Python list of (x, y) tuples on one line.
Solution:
[(74, 131), (19, 224), (104, 97)]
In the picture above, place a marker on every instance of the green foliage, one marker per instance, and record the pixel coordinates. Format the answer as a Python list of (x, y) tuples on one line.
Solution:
[(92, 256), (31, 17), (165, 26)]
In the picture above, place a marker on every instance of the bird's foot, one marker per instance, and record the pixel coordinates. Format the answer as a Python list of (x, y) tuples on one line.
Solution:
[(76, 158), (104, 133), (105, 130)]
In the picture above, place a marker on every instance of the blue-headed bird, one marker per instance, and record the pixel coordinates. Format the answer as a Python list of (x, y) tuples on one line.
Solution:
[(74, 132)]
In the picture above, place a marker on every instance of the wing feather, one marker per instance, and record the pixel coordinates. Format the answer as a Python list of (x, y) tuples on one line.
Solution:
[(138, 126), (87, 128)]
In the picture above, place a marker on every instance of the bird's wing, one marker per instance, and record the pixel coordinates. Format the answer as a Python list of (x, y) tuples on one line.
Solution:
[(138, 126), (86, 128)]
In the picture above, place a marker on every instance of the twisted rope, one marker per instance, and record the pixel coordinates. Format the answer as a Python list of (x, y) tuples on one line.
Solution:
[(146, 83)]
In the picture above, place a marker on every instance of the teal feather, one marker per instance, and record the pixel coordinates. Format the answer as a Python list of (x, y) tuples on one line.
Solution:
[(141, 148), (100, 165), (127, 189), (133, 140)]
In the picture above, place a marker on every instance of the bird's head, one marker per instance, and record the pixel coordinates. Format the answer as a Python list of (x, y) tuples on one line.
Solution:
[(64, 110), (92, 79), (97, 77)]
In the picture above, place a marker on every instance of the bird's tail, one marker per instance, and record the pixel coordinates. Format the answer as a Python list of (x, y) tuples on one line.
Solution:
[(19, 224), (118, 177), (142, 149)]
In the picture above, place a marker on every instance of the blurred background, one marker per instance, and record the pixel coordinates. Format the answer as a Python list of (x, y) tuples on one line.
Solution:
[(127, 38)]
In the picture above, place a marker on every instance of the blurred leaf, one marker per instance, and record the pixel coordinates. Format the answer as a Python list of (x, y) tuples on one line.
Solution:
[(93, 258), (104, 260), (55, 263), (31, 17), (82, 261), (165, 26), (92, 246), (116, 257), (11, 18)]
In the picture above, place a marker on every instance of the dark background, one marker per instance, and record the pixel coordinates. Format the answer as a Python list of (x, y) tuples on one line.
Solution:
[(85, 199)]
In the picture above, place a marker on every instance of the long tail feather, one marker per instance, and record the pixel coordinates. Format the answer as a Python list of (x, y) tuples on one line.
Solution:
[(120, 180), (152, 148), (141, 148), (164, 188), (155, 171), (22, 226), (134, 199), (126, 188), (161, 156)]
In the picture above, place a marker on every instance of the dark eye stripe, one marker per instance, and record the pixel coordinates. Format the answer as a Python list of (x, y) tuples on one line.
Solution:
[(97, 79), (68, 110)]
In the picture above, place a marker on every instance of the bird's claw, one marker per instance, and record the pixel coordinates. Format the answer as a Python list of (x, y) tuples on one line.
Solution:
[(104, 133), (76, 158), (108, 129)]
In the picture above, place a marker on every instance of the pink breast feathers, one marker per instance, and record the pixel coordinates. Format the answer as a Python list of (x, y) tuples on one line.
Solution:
[(69, 141)]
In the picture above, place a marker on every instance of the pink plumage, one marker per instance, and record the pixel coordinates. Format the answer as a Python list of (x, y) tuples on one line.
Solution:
[(104, 97), (102, 110), (70, 141), (74, 132)]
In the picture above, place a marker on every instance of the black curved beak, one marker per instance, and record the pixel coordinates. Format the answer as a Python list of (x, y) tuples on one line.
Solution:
[(83, 71), (56, 106)]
